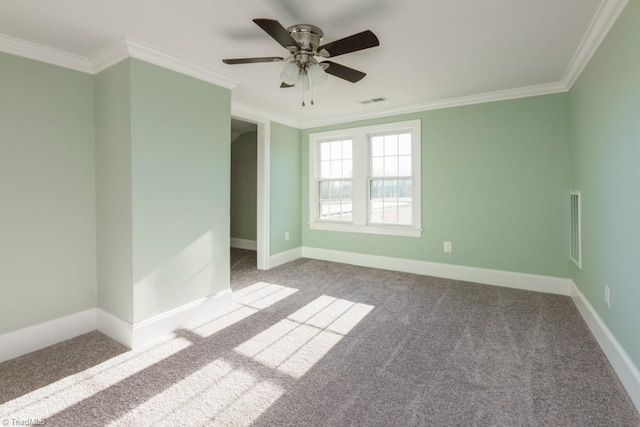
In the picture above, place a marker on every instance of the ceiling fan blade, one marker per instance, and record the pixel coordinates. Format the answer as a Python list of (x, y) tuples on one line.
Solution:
[(360, 41), (285, 85), (277, 31), (252, 60), (343, 72)]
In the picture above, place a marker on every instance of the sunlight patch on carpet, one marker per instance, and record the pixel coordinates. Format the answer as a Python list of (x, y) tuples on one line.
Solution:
[(247, 301), (63, 394), (218, 393), (295, 344)]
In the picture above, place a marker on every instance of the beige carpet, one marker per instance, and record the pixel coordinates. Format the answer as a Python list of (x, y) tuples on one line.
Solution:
[(319, 343)]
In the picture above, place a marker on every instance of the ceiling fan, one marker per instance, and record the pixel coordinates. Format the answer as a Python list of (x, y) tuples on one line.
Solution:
[(303, 43)]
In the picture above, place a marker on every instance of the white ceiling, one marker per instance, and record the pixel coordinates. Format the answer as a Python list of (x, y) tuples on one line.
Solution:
[(430, 51)]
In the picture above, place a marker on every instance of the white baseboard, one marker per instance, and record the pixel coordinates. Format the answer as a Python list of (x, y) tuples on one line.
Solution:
[(36, 337), (251, 245), (158, 327), (162, 325), (285, 257), (529, 282), (619, 359), (114, 327), (26, 340)]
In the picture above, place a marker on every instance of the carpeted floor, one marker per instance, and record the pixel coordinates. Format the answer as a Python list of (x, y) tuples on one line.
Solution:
[(320, 343)]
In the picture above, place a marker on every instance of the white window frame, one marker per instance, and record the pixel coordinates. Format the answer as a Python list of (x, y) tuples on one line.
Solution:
[(361, 147)]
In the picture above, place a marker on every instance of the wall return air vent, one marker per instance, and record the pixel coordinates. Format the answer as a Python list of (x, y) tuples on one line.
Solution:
[(576, 229)]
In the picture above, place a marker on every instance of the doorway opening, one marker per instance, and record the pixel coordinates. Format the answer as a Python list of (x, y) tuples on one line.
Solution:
[(248, 122), (244, 193)]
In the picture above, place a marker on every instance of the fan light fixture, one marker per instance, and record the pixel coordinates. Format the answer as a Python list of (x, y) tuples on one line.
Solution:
[(303, 76), (317, 74), (290, 73), (303, 43)]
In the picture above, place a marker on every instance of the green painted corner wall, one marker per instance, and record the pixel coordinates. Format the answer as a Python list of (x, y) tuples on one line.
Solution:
[(47, 194), (180, 129), (605, 105), (113, 190), (244, 186), (285, 188), (495, 180)]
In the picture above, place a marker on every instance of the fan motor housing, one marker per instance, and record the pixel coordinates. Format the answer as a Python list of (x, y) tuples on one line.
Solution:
[(308, 37)]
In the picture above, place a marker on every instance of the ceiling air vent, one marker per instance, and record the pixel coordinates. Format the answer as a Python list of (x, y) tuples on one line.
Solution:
[(373, 100)]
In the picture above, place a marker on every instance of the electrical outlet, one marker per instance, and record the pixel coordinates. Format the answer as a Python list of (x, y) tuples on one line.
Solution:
[(286, 235), (607, 296), (447, 247)]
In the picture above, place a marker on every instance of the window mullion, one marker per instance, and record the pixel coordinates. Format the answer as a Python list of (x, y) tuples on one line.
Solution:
[(360, 179)]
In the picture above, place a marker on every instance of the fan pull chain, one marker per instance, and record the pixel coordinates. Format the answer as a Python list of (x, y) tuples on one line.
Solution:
[(311, 85)]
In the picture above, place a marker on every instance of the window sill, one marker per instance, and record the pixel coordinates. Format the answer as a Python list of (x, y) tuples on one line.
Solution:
[(367, 229)]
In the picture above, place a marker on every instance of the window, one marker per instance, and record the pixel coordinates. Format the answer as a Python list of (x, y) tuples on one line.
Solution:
[(390, 195), (366, 179), (336, 181)]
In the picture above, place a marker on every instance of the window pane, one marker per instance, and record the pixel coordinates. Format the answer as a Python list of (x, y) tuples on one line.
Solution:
[(325, 169), (391, 166), (330, 209), (332, 164), (323, 190), (334, 200), (404, 166), (376, 189), (390, 201), (335, 190), (346, 209), (391, 145), (325, 151), (345, 190), (390, 215), (404, 143), (346, 150), (336, 168), (404, 188), (404, 213), (390, 189), (347, 169), (336, 150), (377, 146), (377, 166), (405, 201)]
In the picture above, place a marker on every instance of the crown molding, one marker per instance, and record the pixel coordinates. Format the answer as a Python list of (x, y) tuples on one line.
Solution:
[(173, 63), (604, 19), (108, 56), (482, 98), (42, 53), (111, 55), (126, 48)]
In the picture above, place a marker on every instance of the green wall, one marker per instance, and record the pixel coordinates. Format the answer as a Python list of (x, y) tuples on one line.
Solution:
[(113, 190), (180, 133), (495, 180), (285, 188), (47, 195), (162, 168), (244, 186), (605, 107)]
